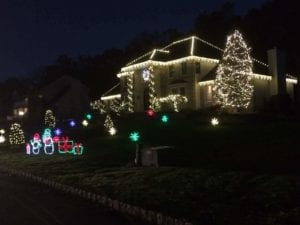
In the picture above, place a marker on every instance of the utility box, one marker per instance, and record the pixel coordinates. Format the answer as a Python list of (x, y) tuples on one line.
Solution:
[(149, 155)]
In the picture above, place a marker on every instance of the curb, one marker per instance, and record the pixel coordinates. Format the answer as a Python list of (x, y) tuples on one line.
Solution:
[(149, 216)]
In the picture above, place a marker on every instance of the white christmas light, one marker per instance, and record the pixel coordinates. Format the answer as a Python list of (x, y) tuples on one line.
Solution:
[(233, 87), (110, 97), (112, 131), (85, 123), (214, 121), (2, 131)]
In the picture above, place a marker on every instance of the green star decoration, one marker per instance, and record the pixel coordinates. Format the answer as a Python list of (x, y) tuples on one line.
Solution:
[(88, 116), (134, 136), (164, 118)]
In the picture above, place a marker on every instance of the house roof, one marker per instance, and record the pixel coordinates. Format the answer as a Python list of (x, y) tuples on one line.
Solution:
[(191, 46)]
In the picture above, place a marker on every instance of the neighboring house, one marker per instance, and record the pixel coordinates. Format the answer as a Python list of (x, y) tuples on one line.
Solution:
[(67, 97), (188, 68)]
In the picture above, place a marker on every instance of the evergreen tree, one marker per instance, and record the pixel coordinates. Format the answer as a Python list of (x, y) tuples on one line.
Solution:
[(50, 120), (16, 134), (233, 87)]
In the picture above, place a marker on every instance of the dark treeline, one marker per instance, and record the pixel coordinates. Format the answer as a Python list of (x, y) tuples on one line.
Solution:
[(274, 24)]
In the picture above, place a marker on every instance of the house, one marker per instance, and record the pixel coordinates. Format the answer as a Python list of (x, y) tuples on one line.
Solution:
[(67, 97), (187, 68)]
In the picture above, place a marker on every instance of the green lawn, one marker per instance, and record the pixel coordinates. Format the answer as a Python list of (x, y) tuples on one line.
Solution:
[(244, 171)]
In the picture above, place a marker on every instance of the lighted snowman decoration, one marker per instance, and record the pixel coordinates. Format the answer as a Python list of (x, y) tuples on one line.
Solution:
[(48, 142), (36, 144)]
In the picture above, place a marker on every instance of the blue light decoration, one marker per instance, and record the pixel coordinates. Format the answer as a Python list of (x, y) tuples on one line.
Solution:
[(134, 136), (164, 118), (63, 145), (72, 123), (57, 132)]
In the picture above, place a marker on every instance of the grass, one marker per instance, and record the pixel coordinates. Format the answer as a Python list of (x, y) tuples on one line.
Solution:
[(243, 172)]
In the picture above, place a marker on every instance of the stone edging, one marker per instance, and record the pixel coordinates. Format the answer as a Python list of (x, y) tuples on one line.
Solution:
[(134, 211)]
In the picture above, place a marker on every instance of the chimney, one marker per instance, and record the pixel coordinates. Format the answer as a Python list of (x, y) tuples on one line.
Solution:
[(276, 61)]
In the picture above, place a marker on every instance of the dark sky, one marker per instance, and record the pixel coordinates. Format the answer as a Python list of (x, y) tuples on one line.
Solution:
[(34, 32)]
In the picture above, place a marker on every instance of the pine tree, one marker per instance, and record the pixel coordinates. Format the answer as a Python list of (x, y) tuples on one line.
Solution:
[(50, 120), (233, 87), (16, 134)]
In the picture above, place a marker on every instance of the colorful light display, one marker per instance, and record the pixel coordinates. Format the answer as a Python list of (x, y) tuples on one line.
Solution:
[(63, 145)]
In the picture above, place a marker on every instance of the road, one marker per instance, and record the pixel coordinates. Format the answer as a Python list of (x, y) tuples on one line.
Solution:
[(26, 203)]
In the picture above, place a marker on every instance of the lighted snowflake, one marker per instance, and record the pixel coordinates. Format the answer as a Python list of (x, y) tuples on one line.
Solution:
[(134, 136), (164, 118), (2, 139), (214, 121)]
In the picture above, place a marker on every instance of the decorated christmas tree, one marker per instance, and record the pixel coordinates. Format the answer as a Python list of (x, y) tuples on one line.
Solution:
[(16, 134), (233, 87), (50, 120)]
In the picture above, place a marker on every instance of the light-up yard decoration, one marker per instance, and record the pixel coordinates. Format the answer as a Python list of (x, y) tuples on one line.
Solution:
[(112, 131), (62, 145), (88, 116), (85, 123), (214, 121), (48, 142), (164, 118), (36, 144), (72, 123), (57, 132), (134, 136), (150, 112)]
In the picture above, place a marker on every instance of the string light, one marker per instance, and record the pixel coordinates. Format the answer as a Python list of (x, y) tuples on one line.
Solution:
[(233, 88), (176, 100), (130, 92)]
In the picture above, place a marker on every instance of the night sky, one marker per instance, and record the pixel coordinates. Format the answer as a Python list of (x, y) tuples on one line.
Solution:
[(34, 32)]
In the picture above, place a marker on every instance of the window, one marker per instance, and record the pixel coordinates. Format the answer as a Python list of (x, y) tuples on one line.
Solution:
[(171, 71), (184, 68), (197, 67), (209, 94), (174, 91), (182, 91)]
